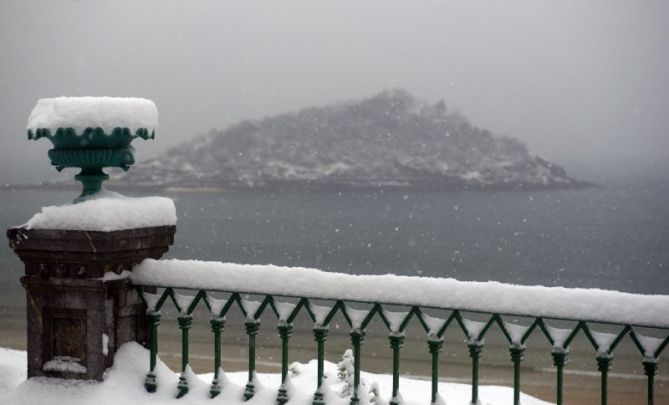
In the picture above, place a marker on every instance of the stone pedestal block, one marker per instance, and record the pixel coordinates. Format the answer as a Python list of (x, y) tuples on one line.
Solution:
[(81, 306)]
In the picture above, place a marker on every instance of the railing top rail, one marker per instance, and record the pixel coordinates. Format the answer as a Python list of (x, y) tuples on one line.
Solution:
[(408, 306), (556, 303)]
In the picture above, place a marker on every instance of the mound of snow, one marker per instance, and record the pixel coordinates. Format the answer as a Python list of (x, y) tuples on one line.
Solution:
[(109, 212), (124, 384), (80, 113), (490, 296)]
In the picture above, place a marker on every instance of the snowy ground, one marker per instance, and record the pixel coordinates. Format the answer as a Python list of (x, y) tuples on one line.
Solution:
[(124, 385)]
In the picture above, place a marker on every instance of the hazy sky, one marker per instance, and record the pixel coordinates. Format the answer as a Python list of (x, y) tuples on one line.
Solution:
[(584, 83)]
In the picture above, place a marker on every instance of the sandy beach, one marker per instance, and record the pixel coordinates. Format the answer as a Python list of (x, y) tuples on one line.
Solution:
[(627, 384)]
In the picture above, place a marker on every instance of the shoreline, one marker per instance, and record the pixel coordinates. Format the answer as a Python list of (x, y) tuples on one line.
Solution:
[(314, 186), (627, 383)]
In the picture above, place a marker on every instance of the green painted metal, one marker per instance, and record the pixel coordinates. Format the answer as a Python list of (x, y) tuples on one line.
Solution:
[(91, 151), (320, 335), (559, 360), (650, 369), (517, 353), (357, 339), (396, 343), (604, 358), (603, 365), (91, 181), (252, 326), (434, 346), (649, 363), (154, 320), (217, 325), (185, 322), (285, 331), (475, 350), (67, 138), (396, 337)]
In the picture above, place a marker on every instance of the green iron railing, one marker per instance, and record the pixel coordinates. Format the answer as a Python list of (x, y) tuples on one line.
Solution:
[(396, 322)]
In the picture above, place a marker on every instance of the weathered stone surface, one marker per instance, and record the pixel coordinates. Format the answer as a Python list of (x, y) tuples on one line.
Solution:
[(73, 312), (79, 254)]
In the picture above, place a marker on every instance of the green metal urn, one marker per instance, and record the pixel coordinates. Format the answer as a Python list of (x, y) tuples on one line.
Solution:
[(92, 133)]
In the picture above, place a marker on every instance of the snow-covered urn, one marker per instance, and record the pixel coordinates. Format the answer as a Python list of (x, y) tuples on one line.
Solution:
[(78, 257), (92, 133)]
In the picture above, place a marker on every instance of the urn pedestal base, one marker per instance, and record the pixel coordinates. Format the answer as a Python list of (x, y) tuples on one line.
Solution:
[(81, 305)]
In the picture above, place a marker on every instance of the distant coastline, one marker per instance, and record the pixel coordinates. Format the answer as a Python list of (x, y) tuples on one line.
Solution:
[(311, 186)]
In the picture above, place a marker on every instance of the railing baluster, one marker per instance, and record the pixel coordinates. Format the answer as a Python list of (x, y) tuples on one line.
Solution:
[(252, 326), (357, 339), (650, 369), (154, 320), (516, 357), (285, 331), (396, 343), (185, 322), (396, 322), (435, 344), (475, 349), (320, 334), (216, 327), (603, 364), (650, 352), (559, 360)]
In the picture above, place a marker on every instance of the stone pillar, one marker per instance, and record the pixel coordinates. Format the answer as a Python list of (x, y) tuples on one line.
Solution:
[(81, 306)]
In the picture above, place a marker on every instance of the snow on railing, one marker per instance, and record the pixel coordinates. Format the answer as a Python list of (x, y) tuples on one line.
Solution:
[(419, 298)]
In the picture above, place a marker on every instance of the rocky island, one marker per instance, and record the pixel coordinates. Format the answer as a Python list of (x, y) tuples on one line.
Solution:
[(391, 140)]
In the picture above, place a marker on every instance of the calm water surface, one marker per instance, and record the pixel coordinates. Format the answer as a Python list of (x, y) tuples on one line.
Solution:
[(612, 238)]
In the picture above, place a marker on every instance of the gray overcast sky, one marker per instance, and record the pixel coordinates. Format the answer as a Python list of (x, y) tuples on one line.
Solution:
[(584, 83)]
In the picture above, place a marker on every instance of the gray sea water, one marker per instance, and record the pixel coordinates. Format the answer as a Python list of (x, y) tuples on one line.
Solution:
[(611, 238)]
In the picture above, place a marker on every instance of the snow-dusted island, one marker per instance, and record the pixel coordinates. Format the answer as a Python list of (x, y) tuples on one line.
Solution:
[(388, 141)]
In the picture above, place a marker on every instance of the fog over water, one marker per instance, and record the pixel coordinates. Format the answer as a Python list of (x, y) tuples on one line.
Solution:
[(585, 84)]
